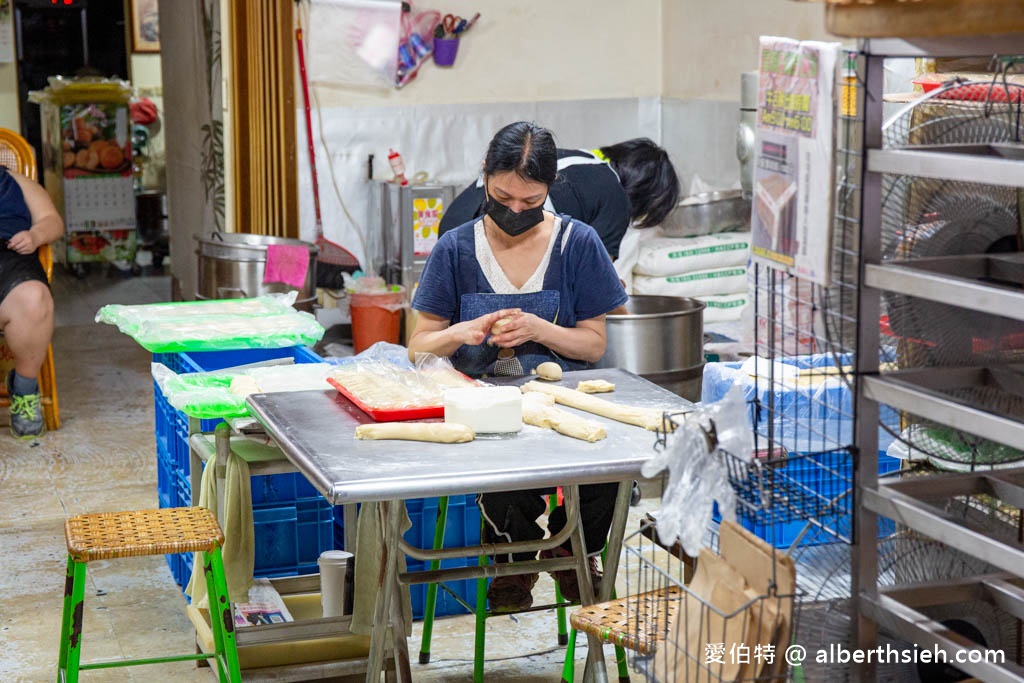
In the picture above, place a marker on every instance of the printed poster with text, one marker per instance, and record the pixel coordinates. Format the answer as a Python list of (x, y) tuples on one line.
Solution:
[(793, 166)]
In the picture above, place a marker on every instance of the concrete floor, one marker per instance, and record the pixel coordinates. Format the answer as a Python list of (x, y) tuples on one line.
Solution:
[(103, 459)]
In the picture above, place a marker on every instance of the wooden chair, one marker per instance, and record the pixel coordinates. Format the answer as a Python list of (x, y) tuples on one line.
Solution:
[(17, 154)]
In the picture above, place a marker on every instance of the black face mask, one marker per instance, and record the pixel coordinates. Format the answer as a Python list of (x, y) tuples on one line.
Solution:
[(512, 222)]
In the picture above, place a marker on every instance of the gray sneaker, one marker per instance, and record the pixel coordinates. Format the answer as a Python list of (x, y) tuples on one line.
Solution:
[(26, 412)]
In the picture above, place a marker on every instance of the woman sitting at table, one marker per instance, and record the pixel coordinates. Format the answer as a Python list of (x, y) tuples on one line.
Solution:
[(549, 281)]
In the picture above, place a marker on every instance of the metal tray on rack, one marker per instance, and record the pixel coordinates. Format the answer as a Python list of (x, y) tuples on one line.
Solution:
[(998, 269), (1001, 150), (981, 283), (986, 401)]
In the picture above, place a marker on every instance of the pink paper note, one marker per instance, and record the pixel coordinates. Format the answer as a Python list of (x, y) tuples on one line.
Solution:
[(288, 264)]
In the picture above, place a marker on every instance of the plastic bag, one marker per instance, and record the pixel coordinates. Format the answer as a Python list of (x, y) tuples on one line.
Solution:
[(267, 321), (416, 41), (222, 393), (382, 382), (695, 456)]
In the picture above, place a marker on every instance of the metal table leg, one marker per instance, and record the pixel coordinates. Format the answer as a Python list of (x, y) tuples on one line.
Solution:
[(596, 669)]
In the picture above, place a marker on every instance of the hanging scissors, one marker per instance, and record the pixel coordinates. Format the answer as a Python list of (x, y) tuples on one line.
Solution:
[(450, 22)]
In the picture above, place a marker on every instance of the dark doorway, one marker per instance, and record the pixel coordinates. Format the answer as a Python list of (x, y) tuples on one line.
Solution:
[(64, 37)]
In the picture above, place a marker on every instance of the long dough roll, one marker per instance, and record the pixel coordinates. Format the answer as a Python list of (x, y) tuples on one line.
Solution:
[(539, 414), (435, 432), (648, 418)]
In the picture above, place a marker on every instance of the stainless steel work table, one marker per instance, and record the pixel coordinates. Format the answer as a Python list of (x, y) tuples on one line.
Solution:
[(315, 430)]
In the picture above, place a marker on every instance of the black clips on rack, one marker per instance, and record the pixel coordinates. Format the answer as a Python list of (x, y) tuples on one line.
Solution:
[(670, 422)]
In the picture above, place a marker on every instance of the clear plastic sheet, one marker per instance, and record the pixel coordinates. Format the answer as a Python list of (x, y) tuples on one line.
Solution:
[(383, 381), (266, 322), (221, 394), (694, 455), (798, 389)]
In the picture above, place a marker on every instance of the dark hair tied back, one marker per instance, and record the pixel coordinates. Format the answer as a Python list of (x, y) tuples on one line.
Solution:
[(525, 149), (647, 175)]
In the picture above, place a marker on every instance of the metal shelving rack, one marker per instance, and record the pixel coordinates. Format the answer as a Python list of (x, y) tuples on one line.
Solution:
[(916, 502)]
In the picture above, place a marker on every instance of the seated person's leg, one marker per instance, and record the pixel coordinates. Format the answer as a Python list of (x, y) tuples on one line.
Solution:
[(597, 505), (512, 516), (26, 318)]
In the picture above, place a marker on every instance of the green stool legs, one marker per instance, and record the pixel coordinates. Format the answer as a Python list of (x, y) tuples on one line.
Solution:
[(569, 668), (428, 610), (221, 623), (564, 638)]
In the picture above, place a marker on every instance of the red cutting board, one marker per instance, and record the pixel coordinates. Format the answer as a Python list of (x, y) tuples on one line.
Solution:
[(388, 414)]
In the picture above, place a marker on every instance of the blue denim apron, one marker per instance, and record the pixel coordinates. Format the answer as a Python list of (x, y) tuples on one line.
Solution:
[(483, 359)]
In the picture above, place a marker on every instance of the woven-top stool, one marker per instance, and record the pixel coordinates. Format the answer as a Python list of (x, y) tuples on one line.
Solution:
[(636, 622), (110, 535)]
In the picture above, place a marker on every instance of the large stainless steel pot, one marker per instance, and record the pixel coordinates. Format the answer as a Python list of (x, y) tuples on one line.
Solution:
[(660, 338), (231, 266), (708, 213)]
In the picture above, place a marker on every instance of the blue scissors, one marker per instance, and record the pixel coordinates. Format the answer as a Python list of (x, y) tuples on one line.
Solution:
[(451, 22)]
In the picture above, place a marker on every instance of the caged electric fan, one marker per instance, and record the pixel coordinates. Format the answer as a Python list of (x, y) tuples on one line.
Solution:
[(905, 557), (928, 218)]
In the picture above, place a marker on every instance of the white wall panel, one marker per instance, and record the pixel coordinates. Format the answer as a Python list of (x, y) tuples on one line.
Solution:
[(446, 141)]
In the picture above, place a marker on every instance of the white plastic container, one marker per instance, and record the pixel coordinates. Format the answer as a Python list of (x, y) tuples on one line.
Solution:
[(485, 410)]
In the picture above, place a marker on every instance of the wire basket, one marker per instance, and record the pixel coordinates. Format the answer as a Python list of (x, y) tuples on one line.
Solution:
[(715, 626), (778, 491)]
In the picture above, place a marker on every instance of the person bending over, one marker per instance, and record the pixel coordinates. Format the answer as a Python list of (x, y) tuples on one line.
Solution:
[(609, 188)]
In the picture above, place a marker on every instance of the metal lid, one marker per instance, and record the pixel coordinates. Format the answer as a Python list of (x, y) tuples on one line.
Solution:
[(237, 246), (645, 307)]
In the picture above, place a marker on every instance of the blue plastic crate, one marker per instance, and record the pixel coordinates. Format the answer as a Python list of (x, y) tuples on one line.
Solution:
[(183, 497), (445, 604), (276, 537), (315, 526), (291, 537), (830, 476), (462, 528), (181, 568), (171, 425), (300, 570), (272, 489), (806, 418), (165, 478)]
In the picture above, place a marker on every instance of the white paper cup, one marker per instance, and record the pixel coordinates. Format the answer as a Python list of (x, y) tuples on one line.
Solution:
[(333, 567)]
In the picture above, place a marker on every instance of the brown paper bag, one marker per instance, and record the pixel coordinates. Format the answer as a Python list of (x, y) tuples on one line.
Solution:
[(684, 656), (753, 558)]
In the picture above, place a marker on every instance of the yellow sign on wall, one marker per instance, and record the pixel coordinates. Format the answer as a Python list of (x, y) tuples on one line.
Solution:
[(426, 217)]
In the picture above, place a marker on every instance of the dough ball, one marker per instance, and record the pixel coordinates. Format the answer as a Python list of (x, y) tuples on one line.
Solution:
[(595, 386), (499, 327), (549, 371)]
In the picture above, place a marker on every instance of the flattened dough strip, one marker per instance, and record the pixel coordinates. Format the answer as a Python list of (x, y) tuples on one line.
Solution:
[(541, 414), (433, 432), (648, 418)]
